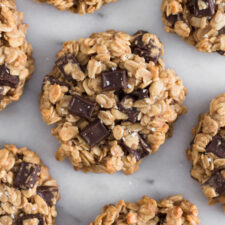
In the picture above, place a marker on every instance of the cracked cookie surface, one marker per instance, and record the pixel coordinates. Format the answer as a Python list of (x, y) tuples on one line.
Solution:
[(207, 151), (170, 211), (112, 101), (200, 22), (16, 63), (78, 6), (28, 194)]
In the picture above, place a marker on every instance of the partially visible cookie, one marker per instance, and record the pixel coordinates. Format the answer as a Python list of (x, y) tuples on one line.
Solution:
[(207, 152), (16, 62), (78, 6), (112, 101), (199, 22), (171, 211), (28, 194)]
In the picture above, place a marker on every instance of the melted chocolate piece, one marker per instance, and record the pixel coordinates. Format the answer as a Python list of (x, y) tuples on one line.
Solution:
[(217, 181), (94, 133), (64, 60), (6, 79), (139, 153), (114, 80), (222, 31), (162, 218), (174, 18), (208, 11), (82, 107), (22, 217), (146, 51), (140, 94), (27, 175), (48, 193), (217, 146), (221, 52)]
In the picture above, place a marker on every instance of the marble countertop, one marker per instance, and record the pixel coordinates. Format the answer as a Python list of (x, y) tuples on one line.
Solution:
[(165, 173)]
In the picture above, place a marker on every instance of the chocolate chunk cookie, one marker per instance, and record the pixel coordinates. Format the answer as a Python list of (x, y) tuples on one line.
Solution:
[(174, 210), (28, 194), (112, 101), (16, 64), (78, 6), (207, 151), (200, 22)]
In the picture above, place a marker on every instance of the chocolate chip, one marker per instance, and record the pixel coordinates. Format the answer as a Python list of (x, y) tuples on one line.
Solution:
[(222, 31), (6, 79), (217, 181), (217, 146), (114, 80), (149, 52), (27, 175), (162, 218), (207, 10), (174, 18), (22, 217), (94, 133), (48, 193), (82, 107), (141, 152), (63, 61)]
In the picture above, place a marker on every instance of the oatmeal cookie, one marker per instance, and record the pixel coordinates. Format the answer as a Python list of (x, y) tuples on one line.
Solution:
[(16, 63), (112, 101), (171, 211), (200, 22), (28, 194), (207, 151), (78, 6)]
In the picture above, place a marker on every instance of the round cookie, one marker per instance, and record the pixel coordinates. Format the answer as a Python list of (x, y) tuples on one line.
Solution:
[(174, 210), (112, 101), (200, 22), (78, 6), (28, 194), (207, 151), (16, 64)]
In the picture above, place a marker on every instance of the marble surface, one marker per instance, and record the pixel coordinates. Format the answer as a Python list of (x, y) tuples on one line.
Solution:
[(160, 175)]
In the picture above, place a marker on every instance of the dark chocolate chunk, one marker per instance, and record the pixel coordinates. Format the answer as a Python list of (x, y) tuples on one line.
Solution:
[(217, 181), (174, 18), (27, 175), (162, 218), (132, 113), (22, 217), (208, 10), (217, 146), (114, 80), (222, 31), (221, 52), (94, 133), (61, 62), (140, 94), (149, 52), (139, 153), (48, 193), (6, 79), (82, 107)]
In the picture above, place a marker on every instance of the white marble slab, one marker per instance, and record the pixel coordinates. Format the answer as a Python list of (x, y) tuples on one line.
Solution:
[(160, 175)]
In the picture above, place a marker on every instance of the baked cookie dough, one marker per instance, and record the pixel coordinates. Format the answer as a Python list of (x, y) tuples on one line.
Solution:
[(207, 152), (200, 22), (171, 211), (112, 101), (16, 63), (78, 6), (28, 194)]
